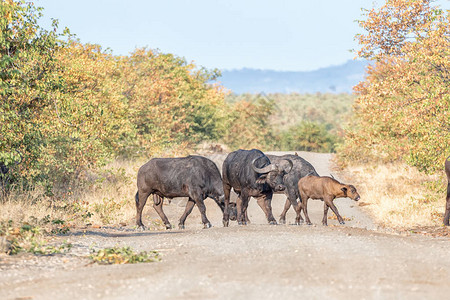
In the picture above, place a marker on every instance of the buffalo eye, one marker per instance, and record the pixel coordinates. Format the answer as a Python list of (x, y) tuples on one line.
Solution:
[(261, 179)]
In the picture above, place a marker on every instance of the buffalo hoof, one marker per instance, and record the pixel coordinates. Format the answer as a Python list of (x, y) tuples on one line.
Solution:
[(140, 228), (297, 223), (181, 226), (324, 224), (273, 222), (207, 225), (168, 226), (308, 223), (242, 223), (282, 221), (225, 223), (342, 222)]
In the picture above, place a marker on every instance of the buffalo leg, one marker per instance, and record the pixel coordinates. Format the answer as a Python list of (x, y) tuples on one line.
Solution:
[(202, 208), (447, 206), (189, 206), (298, 219), (330, 203), (246, 217), (141, 199), (265, 203), (226, 214), (325, 213), (292, 196), (287, 205), (304, 200), (241, 205), (157, 205)]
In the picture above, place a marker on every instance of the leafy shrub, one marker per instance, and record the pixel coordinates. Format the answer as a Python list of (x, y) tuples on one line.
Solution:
[(308, 136), (28, 238), (124, 255), (248, 124), (108, 209), (170, 101)]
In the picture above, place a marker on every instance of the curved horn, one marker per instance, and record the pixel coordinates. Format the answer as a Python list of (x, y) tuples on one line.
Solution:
[(263, 170), (291, 165)]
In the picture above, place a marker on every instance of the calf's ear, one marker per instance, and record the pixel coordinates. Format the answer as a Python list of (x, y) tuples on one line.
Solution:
[(261, 179)]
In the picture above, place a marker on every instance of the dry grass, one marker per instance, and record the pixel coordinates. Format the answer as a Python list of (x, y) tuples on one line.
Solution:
[(101, 197), (398, 196), (104, 197)]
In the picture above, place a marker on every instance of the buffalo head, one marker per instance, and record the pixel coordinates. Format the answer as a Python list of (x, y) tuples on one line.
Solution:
[(232, 211), (272, 174), (350, 191)]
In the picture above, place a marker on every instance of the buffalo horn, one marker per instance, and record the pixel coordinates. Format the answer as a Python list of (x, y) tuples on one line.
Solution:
[(291, 165), (263, 170)]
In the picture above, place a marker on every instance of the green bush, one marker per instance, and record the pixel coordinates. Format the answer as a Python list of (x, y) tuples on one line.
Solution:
[(308, 136), (124, 255)]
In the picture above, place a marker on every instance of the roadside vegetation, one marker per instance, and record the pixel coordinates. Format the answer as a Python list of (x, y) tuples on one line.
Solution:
[(21, 237), (399, 137), (123, 255), (398, 196)]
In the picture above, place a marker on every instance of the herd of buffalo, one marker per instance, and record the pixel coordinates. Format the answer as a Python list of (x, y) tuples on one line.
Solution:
[(250, 173)]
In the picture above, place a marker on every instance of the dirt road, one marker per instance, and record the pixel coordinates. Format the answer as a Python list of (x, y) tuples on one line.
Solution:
[(258, 261)]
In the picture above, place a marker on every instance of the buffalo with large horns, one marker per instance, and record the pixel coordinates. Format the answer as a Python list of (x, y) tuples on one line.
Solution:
[(251, 174)]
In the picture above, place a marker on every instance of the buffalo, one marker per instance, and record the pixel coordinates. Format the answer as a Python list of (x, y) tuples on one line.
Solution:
[(447, 206), (300, 169), (251, 174), (326, 189), (5, 172), (195, 177)]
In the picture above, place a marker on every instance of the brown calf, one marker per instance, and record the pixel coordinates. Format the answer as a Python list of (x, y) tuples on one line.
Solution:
[(326, 189), (447, 206)]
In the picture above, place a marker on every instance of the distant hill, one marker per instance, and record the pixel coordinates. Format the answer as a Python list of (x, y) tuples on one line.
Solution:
[(333, 79)]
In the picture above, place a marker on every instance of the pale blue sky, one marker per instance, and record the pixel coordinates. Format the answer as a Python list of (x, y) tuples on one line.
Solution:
[(226, 34)]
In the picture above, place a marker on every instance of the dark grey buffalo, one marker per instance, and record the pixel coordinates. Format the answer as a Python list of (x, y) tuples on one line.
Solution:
[(251, 174), (195, 177), (300, 169), (447, 205)]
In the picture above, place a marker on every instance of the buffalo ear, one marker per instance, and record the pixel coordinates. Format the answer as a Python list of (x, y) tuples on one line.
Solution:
[(344, 189), (261, 179)]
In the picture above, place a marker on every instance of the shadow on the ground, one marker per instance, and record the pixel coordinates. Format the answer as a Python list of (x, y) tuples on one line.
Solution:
[(122, 233)]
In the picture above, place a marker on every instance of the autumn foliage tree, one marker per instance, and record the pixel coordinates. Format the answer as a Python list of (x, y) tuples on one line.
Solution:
[(403, 106), (88, 117), (170, 101), (27, 69), (248, 124)]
